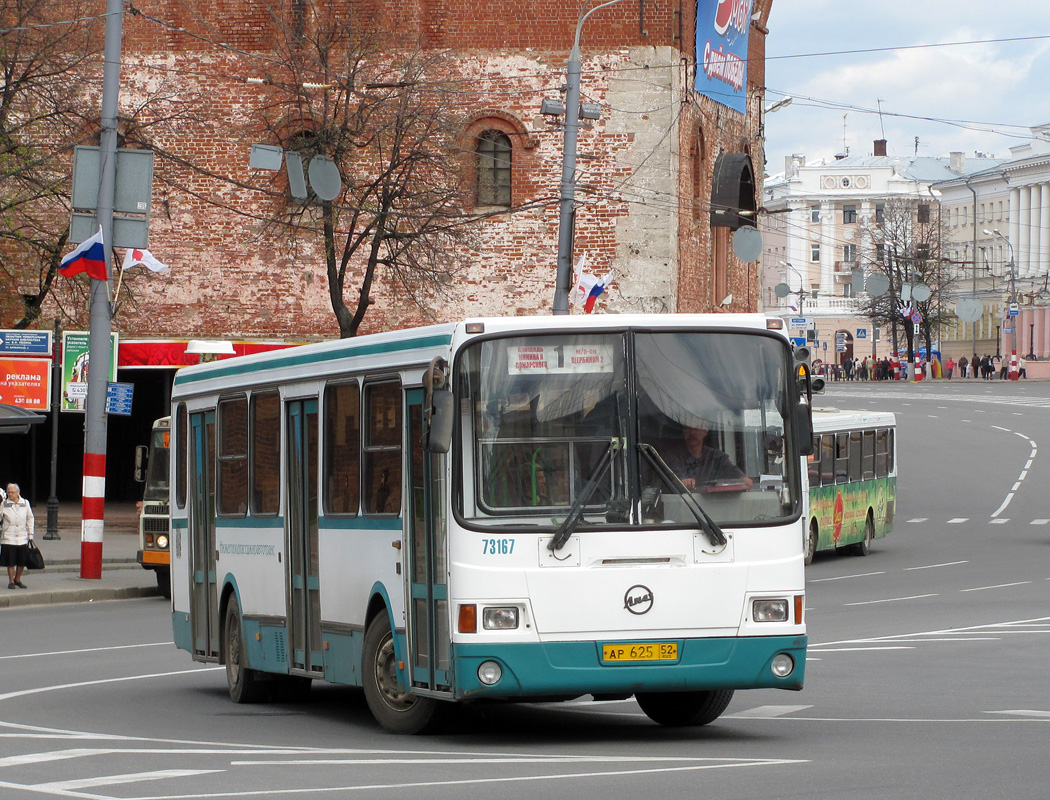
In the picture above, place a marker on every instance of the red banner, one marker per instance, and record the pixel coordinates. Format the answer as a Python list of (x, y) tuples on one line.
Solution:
[(26, 382)]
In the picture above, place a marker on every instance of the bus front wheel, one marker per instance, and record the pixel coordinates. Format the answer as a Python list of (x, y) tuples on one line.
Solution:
[(396, 710), (811, 542), (684, 709), (243, 683)]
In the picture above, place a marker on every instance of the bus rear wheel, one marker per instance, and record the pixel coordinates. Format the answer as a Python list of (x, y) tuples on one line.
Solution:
[(684, 709), (394, 709), (863, 547), (243, 682)]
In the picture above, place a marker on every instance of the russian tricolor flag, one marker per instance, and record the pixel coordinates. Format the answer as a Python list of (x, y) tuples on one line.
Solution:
[(89, 256)]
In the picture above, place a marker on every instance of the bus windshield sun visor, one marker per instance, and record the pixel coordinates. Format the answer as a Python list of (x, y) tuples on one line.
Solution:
[(707, 525)]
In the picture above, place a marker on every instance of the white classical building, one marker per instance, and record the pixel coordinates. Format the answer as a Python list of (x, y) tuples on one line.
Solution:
[(999, 233), (817, 233)]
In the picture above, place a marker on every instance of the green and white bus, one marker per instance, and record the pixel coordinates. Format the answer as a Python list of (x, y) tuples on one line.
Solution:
[(852, 476), (484, 511)]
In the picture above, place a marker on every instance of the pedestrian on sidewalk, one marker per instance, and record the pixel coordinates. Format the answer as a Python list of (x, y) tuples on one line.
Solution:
[(16, 532)]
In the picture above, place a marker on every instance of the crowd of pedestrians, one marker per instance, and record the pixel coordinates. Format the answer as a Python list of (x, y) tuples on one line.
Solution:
[(871, 369), (986, 367)]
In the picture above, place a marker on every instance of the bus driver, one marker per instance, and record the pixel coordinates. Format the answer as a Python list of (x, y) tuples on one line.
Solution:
[(698, 465)]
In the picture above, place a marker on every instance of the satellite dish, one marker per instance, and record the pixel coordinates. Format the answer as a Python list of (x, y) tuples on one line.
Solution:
[(781, 290), (969, 309), (747, 243), (324, 178), (876, 284), (920, 293)]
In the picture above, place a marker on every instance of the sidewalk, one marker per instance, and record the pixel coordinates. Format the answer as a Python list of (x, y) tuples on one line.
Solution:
[(60, 581)]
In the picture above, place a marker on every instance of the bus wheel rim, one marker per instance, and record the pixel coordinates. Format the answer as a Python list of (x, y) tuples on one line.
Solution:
[(386, 677)]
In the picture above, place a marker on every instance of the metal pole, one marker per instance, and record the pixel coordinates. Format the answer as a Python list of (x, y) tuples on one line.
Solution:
[(94, 487), (567, 202), (56, 401)]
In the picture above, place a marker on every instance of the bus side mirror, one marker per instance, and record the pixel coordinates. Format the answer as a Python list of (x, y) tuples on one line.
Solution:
[(442, 415), (141, 462), (804, 429)]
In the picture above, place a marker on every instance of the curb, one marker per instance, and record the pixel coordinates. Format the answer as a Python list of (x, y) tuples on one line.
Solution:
[(89, 595)]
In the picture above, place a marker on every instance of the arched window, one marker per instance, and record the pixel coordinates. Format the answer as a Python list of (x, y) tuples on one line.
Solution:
[(492, 161)]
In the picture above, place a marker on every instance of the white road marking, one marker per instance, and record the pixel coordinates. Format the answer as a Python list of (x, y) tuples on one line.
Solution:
[(865, 649), (1023, 712), (935, 566), (85, 650), (1039, 521), (891, 600), (996, 586), (113, 780), (765, 712), (1003, 520), (957, 520), (918, 519), (846, 577)]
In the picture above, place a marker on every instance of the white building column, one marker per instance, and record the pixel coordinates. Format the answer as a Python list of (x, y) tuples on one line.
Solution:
[(1014, 234), (1023, 245), (827, 248), (1034, 237), (1044, 230)]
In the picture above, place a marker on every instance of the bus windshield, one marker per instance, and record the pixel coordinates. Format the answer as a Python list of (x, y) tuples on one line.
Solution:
[(157, 472), (631, 427)]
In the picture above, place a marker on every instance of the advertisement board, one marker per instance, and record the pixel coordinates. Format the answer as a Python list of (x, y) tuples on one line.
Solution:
[(722, 28), (26, 382), (75, 363)]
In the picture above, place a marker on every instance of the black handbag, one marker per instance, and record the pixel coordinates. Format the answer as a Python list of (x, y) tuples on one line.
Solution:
[(34, 558)]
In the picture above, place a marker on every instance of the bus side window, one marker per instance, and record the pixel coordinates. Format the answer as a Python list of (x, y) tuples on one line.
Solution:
[(827, 459), (855, 454), (382, 449), (342, 448), (841, 458), (265, 474), (233, 457), (868, 455), (814, 462)]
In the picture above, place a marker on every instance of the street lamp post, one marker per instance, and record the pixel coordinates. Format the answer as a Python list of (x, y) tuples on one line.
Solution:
[(1012, 267), (567, 201)]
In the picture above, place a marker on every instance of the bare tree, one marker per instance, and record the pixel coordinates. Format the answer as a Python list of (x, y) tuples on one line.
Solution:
[(46, 56), (907, 237), (384, 120)]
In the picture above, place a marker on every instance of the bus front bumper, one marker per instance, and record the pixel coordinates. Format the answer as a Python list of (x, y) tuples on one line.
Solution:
[(568, 669)]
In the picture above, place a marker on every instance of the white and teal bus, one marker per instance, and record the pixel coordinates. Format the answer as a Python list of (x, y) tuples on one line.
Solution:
[(487, 510), (852, 480)]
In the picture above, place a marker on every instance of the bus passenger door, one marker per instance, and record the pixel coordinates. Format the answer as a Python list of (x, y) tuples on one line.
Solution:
[(204, 608), (428, 620), (304, 613)]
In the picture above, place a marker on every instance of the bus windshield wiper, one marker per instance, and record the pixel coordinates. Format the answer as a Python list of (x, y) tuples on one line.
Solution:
[(572, 519), (667, 475)]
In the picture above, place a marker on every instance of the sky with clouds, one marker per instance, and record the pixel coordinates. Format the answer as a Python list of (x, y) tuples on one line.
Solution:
[(972, 97)]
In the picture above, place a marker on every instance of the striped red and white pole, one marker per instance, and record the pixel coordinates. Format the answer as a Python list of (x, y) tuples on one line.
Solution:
[(919, 375), (1015, 370), (92, 516), (896, 368)]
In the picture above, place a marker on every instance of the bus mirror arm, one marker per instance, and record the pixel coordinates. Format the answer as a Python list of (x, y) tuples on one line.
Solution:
[(442, 415)]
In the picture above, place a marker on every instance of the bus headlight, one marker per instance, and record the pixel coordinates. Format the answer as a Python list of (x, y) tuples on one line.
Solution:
[(489, 673), (162, 542), (769, 610), (783, 665), (499, 619)]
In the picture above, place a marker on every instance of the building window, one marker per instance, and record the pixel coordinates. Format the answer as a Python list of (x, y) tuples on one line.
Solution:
[(922, 251), (814, 252), (814, 213), (492, 163), (880, 213), (849, 252), (880, 253), (924, 213), (849, 215)]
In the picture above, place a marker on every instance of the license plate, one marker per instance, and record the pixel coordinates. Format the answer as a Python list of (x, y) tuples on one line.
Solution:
[(640, 651)]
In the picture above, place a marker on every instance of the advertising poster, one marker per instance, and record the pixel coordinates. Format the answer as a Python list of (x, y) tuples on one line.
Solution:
[(26, 382), (722, 28), (75, 349)]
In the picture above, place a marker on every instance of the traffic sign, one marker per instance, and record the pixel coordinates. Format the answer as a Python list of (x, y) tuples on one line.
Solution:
[(25, 343), (862, 333), (118, 398), (798, 341), (798, 322)]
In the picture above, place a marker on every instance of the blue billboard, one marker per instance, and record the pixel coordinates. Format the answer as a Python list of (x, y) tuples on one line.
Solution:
[(722, 28)]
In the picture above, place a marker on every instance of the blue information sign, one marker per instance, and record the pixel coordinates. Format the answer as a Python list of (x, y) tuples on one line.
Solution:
[(25, 343), (118, 398)]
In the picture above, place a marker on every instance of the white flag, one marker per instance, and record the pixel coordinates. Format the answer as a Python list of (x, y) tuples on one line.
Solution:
[(135, 256)]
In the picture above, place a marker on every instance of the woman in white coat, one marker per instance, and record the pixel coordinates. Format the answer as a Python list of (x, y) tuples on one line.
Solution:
[(16, 531)]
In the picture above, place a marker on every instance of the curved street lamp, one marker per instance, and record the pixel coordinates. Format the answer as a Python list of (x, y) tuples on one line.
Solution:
[(1013, 373)]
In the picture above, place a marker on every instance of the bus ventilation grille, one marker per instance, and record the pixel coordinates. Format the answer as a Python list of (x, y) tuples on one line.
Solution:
[(280, 647)]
